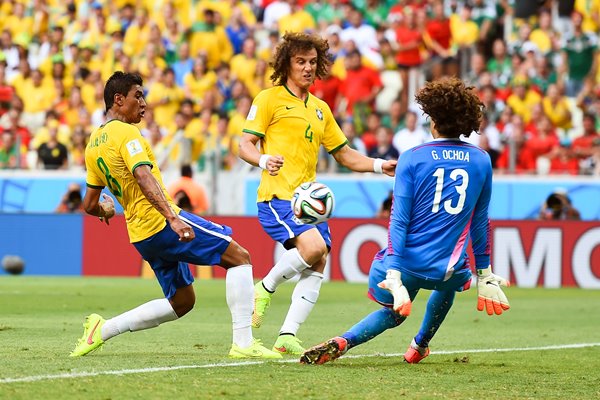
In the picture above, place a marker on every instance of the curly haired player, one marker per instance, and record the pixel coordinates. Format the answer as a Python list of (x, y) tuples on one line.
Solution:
[(291, 125), (440, 200)]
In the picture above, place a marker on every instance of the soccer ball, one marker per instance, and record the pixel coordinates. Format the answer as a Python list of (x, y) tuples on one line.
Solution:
[(313, 203), (14, 265)]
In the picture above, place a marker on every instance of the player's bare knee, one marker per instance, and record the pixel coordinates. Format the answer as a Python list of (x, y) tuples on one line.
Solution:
[(244, 256), (235, 255), (313, 253), (319, 266), (183, 305), (183, 301)]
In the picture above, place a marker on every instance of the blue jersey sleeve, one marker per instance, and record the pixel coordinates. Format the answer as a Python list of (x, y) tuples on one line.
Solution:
[(480, 227), (402, 204)]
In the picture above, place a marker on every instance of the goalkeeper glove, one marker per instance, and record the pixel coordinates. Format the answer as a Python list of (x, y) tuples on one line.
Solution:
[(393, 284), (489, 294)]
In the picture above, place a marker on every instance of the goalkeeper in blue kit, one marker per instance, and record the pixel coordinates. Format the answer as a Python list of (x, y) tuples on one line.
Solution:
[(440, 201)]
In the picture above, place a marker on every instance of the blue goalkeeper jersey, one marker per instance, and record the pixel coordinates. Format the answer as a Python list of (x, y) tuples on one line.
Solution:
[(441, 197)]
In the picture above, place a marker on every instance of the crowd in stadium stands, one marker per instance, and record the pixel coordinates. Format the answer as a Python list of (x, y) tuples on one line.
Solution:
[(534, 64)]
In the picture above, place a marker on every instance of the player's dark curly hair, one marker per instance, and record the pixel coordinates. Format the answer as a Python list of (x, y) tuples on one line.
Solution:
[(120, 82), (454, 107), (295, 43)]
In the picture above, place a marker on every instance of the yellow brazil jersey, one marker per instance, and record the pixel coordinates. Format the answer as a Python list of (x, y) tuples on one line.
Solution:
[(114, 150), (294, 129)]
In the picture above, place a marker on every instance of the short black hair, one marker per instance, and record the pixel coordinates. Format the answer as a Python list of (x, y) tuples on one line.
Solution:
[(120, 82)]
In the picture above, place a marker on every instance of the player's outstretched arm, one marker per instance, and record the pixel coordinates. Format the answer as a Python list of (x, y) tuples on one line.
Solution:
[(155, 195), (353, 160), (489, 293)]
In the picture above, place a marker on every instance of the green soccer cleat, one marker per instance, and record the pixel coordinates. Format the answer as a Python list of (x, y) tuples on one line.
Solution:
[(92, 338), (288, 344), (255, 350), (262, 300)]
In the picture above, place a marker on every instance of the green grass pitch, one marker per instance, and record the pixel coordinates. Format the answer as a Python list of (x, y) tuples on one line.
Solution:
[(40, 321)]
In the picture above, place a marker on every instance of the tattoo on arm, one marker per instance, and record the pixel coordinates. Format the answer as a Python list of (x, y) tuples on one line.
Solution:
[(153, 192)]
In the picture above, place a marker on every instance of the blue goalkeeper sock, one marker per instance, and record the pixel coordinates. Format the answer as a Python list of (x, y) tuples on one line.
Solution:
[(438, 305), (372, 325)]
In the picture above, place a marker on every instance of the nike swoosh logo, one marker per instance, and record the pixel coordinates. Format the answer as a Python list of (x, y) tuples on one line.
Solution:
[(285, 277), (312, 302), (91, 335), (281, 349), (289, 108)]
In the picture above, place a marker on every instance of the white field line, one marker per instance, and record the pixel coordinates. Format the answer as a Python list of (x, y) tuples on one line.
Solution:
[(72, 375)]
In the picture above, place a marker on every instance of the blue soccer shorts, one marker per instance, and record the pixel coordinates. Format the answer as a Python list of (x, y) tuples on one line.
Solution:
[(459, 281), (169, 257), (277, 219)]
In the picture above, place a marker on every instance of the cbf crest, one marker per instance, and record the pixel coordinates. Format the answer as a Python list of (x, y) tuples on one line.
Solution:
[(319, 114)]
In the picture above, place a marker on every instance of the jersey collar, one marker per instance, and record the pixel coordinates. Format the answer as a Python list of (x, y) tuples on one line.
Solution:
[(290, 92)]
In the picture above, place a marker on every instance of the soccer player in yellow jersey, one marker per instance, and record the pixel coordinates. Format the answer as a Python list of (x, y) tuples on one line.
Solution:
[(119, 158), (291, 125)]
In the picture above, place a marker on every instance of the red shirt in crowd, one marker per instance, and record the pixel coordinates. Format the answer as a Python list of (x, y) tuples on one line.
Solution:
[(327, 90), (541, 145), (562, 165), (439, 31), (406, 36), (358, 85), (585, 142), (526, 161)]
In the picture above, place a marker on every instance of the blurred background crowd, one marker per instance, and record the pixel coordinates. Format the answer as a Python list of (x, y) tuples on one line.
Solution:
[(534, 64)]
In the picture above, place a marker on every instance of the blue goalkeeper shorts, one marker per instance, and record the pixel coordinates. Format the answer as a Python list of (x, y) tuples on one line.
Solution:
[(459, 281), (169, 257), (277, 219)]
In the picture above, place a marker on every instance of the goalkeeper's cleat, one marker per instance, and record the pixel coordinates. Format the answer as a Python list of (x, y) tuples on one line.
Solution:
[(255, 350), (415, 353), (262, 300), (92, 337), (326, 351), (288, 344)]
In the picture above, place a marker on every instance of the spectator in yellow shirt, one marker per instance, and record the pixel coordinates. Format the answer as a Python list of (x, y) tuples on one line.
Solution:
[(150, 60), (37, 99), (465, 31), (590, 10), (298, 21), (243, 65), (237, 117), (165, 98), (522, 98), (556, 107), (544, 36), (199, 81), (138, 34), (210, 39), (76, 108)]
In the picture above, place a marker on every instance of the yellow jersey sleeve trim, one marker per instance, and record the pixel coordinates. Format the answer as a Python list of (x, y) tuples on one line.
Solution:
[(141, 163), (93, 186), (339, 147), (253, 132)]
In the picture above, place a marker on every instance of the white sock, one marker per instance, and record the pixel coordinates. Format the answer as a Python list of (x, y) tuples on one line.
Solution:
[(239, 291), (148, 315), (290, 264), (304, 298)]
